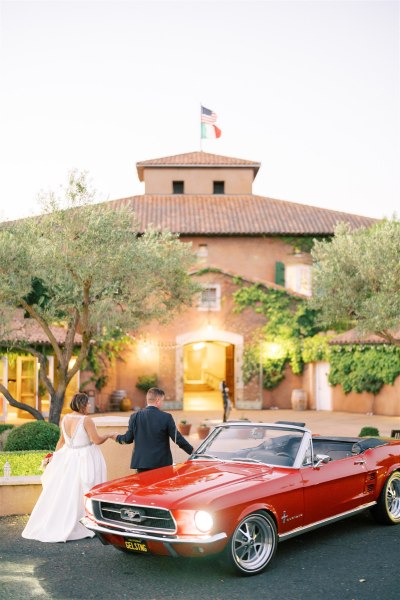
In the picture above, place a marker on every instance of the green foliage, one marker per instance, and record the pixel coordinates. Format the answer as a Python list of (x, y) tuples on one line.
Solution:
[(102, 354), (38, 295), (5, 426), (23, 463), (82, 262), (300, 243), (289, 321), (368, 432), (286, 315), (37, 435), (207, 270), (145, 382), (316, 348), (273, 372), (362, 368), (356, 279)]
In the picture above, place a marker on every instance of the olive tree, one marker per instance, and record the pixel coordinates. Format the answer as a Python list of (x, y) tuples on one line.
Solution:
[(356, 279), (96, 272)]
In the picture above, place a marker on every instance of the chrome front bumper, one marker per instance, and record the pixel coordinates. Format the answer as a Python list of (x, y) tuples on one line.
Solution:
[(169, 539)]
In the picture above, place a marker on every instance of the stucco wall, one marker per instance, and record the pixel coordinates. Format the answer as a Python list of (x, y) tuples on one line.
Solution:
[(252, 257), (386, 402), (198, 181)]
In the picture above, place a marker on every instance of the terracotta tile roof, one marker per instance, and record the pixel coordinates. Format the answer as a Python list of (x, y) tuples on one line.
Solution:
[(253, 280), (28, 330), (196, 159), (354, 337), (235, 215)]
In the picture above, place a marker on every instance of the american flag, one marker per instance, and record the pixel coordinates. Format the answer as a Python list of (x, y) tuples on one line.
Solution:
[(207, 115)]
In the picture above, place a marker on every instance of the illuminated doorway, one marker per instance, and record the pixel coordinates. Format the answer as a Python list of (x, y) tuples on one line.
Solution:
[(205, 365)]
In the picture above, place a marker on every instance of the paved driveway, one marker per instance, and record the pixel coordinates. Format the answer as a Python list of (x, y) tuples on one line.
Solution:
[(355, 559)]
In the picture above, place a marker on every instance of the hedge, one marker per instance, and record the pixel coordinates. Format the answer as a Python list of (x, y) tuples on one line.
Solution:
[(36, 435)]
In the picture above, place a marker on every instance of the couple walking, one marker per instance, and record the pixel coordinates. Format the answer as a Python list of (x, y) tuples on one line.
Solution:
[(78, 465)]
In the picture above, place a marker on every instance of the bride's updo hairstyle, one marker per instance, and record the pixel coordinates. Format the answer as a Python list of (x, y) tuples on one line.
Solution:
[(78, 402)]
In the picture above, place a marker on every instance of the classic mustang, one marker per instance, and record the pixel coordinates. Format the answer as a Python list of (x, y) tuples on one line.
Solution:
[(247, 487)]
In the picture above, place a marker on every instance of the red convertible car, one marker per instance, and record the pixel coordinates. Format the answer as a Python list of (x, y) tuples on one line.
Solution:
[(247, 487)]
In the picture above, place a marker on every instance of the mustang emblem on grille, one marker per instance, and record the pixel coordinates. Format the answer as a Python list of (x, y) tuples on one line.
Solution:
[(136, 515)]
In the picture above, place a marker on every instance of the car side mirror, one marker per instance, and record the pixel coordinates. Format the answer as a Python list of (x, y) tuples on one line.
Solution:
[(320, 459)]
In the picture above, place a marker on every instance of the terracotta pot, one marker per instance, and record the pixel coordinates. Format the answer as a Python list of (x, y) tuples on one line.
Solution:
[(125, 404), (184, 428), (203, 432)]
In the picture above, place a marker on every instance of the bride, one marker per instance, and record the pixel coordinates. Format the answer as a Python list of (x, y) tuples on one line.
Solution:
[(76, 466)]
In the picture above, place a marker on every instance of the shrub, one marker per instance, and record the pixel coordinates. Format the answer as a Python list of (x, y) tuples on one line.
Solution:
[(369, 431), (145, 382), (37, 435), (5, 426), (23, 463)]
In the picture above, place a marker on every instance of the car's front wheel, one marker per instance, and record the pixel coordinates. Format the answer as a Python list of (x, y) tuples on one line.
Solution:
[(252, 545), (387, 509)]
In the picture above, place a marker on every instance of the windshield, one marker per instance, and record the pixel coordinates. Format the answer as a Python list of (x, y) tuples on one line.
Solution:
[(253, 444)]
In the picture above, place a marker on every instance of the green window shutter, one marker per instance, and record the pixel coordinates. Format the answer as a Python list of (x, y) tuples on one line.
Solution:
[(280, 273)]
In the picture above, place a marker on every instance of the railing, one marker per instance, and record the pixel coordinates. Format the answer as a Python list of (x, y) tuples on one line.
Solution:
[(212, 379)]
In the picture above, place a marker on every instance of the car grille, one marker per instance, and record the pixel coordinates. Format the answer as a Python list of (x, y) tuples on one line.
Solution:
[(143, 518)]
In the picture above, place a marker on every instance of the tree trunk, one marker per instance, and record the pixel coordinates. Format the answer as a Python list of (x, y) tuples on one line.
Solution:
[(56, 405), (35, 413)]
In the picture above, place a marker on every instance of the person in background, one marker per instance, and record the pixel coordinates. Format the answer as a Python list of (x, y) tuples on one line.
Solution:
[(152, 429), (225, 400)]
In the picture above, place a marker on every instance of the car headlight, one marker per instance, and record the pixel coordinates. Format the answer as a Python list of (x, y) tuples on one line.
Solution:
[(89, 505), (203, 521)]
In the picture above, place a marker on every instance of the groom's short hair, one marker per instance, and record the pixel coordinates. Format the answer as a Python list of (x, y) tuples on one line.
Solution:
[(154, 394)]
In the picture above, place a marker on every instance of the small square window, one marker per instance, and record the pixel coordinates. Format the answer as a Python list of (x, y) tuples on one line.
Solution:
[(298, 279), (218, 187), (202, 251), (178, 187), (210, 298)]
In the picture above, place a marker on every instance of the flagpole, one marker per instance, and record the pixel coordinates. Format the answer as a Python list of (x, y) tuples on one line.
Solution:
[(201, 139)]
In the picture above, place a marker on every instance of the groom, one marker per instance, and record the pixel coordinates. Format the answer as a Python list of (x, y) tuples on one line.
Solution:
[(151, 429)]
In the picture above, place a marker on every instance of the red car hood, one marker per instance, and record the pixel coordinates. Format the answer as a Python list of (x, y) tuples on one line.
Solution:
[(175, 486)]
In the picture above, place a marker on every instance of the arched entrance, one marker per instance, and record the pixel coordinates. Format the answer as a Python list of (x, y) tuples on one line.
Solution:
[(203, 361)]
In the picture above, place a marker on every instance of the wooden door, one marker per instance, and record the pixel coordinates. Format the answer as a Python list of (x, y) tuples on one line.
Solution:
[(27, 389)]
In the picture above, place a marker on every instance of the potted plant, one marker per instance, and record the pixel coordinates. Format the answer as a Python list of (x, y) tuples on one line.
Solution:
[(145, 382), (203, 430), (184, 427)]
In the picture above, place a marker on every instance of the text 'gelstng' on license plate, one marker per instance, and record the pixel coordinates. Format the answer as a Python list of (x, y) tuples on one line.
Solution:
[(136, 545)]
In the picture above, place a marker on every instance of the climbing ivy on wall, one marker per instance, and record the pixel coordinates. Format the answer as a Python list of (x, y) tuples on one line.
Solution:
[(102, 353), (299, 243), (364, 368), (288, 321)]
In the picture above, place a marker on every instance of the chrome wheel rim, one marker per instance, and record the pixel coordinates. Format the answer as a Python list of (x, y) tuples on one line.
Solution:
[(393, 497), (253, 543)]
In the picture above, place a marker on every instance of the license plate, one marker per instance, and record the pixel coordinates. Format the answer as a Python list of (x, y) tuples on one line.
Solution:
[(136, 545)]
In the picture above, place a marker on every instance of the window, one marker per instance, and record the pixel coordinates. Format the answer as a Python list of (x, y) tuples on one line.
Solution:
[(298, 278), (210, 297), (177, 187), (202, 251), (218, 187)]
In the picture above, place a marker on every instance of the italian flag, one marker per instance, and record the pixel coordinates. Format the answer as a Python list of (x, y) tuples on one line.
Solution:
[(210, 131)]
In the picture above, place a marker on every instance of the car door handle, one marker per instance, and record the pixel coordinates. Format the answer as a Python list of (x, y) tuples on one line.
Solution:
[(359, 461)]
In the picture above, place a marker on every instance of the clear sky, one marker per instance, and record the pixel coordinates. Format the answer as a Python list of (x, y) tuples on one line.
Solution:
[(308, 88)]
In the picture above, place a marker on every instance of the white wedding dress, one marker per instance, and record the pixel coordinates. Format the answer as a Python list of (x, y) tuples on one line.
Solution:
[(74, 470)]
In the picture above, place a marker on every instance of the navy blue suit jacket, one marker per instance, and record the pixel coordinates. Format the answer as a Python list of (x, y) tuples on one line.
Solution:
[(151, 429)]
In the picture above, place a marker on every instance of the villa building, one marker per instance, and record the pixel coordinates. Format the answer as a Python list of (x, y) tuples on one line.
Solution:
[(238, 238)]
